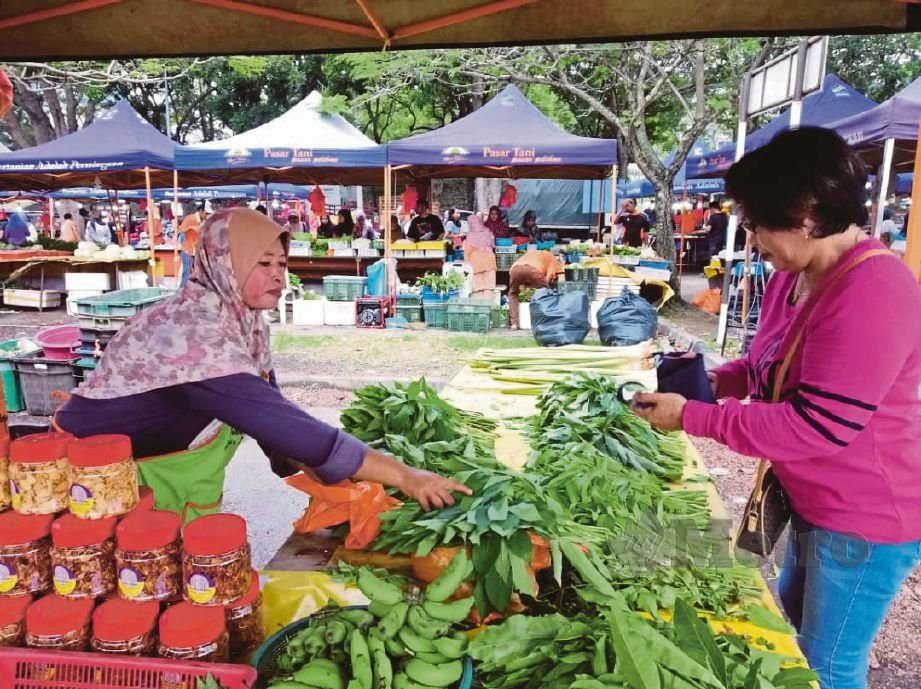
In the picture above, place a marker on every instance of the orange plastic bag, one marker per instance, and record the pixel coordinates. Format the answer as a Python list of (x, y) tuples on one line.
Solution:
[(707, 300), (360, 503)]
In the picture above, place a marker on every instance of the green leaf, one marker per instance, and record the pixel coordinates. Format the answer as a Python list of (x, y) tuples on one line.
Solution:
[(694, 637), (557, 556), (766, 619), (634, 661)]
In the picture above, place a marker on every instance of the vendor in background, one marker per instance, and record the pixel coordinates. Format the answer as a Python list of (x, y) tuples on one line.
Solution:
[(634, 222), (534, 269), (497, 224), (294, 223), (426, 226), (346, 225), (530, 229), (716, 227), (453, 223), (326, 230), (844, 438), (17, 230), (479, 252), (69, 230), (97, 231), (202, 356), (396, 230), (363, 229)]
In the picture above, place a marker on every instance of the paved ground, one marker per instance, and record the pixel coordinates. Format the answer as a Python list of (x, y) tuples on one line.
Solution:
[(317, 367)]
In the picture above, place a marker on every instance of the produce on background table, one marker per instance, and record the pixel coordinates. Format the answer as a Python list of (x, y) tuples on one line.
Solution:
[(532, 371), (442, 284), (406, 639)]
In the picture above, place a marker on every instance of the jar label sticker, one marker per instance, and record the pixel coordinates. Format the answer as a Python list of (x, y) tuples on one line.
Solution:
[(64, 580), (15, 495), (130, 583), (8, 577), (81, 499), (200, 588)]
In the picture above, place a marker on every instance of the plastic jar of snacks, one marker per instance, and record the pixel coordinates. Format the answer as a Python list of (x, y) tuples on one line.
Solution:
[(194, 632), (125, 628), (38, 473), (6, 500), (60, 624), (244, 623), (216, 567), (103, 476), (25, 553), (13, 620), (83, 556), (147, 559)]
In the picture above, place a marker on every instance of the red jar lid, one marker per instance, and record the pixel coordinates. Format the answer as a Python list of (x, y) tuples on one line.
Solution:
[(70, 531), (251, 594), (145, 499), (214, 534), (4, 445), (122, 620), (186, 626), (99, 450), (148, 530), (19, 529), (54, 615), (40, 447), (13, 609)]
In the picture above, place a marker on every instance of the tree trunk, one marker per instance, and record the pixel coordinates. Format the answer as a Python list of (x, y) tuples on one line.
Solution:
[(665, 235), (31, 102), (57, 113), (14, 127), (488, 191), (70, 105)]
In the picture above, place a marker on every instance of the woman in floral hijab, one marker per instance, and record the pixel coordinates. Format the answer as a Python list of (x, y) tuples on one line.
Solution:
[(203, 355)]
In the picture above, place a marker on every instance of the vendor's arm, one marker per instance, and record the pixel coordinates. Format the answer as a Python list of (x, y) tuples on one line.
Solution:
[(731, 379), (843, 381), (256, 408)]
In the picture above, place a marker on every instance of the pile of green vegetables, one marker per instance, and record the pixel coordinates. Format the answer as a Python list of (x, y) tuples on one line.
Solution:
[(620, 650), (442, 284), (412, 422), (404, 640)]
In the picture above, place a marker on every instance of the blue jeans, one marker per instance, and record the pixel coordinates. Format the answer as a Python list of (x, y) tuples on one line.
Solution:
[(836, 588)]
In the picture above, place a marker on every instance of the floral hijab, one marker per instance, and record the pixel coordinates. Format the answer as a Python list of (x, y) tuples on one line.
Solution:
[(206, 330)]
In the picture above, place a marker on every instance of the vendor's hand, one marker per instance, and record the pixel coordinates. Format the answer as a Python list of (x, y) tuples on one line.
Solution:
[(712, 376), (431, 490), (663, 410)]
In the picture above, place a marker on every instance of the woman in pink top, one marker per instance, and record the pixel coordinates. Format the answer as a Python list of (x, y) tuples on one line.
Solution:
[(845, 438)]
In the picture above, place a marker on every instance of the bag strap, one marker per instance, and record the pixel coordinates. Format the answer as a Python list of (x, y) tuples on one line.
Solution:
[(797, 332)]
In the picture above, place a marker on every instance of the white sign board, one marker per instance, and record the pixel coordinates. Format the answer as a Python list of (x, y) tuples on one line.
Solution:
[(774, 83)]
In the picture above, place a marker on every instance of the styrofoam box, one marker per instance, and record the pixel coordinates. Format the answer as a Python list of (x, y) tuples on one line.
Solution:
[(338, 312), (74, 294), (340, 253), (299, 251), (132, 279), (87, 281), (32, 298), (308, 312), (654, 273), (524, 316), (593, 312)]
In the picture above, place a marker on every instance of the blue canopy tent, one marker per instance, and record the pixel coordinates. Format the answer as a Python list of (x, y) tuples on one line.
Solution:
[(509, 138), (304, 145), (112, 152), (835, 100), (227, 191)]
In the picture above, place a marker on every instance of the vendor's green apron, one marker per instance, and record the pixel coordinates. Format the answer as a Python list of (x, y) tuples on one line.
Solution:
[(191, 482)]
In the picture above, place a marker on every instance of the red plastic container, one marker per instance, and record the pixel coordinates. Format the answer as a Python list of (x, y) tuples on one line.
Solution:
[(23, 668), (58, 342)]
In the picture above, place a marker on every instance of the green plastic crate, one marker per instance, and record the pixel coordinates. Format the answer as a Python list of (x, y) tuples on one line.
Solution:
[(409, 299), (344, 287), (436, 314), (123, 303), (413, 314), (12, 390), (471, 305), (505, 261), (466, 322)]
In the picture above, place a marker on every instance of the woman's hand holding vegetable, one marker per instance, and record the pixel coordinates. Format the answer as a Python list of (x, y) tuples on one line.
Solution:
[(663, 410), (430, 490)]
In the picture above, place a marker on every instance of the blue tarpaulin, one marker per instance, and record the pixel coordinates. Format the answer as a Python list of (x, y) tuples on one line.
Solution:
[(302, 145), (507, 137), (114, 149), (834, 101)]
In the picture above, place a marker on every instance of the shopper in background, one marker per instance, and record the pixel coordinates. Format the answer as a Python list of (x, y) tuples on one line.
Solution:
[(716, 227), (844, 438), (635, 224), (530, 229), (17, 230), (69, 230), (327, 229), (479, 252), (497, 224), (534, 269), (294, 223), (453, 223), (346, 225), (426, 226)]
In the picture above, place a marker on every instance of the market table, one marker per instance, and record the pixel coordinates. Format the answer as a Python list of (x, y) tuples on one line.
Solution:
[(475, 391)]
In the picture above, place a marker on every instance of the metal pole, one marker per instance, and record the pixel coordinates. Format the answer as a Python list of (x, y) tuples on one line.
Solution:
[(388, 248), (734, 217), (613, 201), (883, 179), (796, 107), (153, 256), (177, 262)]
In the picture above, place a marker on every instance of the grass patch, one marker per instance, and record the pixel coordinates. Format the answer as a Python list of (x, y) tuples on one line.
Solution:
[(284, 341), (471, 343), (409, 338)]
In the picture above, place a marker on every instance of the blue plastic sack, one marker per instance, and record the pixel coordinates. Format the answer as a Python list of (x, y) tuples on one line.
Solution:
[(626, 320), (377, 279), (559, 319)]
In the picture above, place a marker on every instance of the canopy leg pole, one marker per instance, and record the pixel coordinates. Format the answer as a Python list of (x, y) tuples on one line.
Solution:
[(388, 248), (913, 243), (119, 233), (600, 222), (177, 263), (883, 180), (613, 206), (150, 239)]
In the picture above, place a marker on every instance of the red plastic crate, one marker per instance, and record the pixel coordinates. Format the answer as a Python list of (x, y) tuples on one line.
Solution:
[(27, 668)]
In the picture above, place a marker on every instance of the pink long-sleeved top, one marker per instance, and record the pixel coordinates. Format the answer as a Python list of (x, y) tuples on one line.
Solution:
[(845, 439)]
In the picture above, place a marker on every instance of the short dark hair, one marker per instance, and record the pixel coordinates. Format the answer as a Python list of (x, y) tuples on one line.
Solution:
[(630, 199), (68, 216), (808, 172), (715, 205)]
